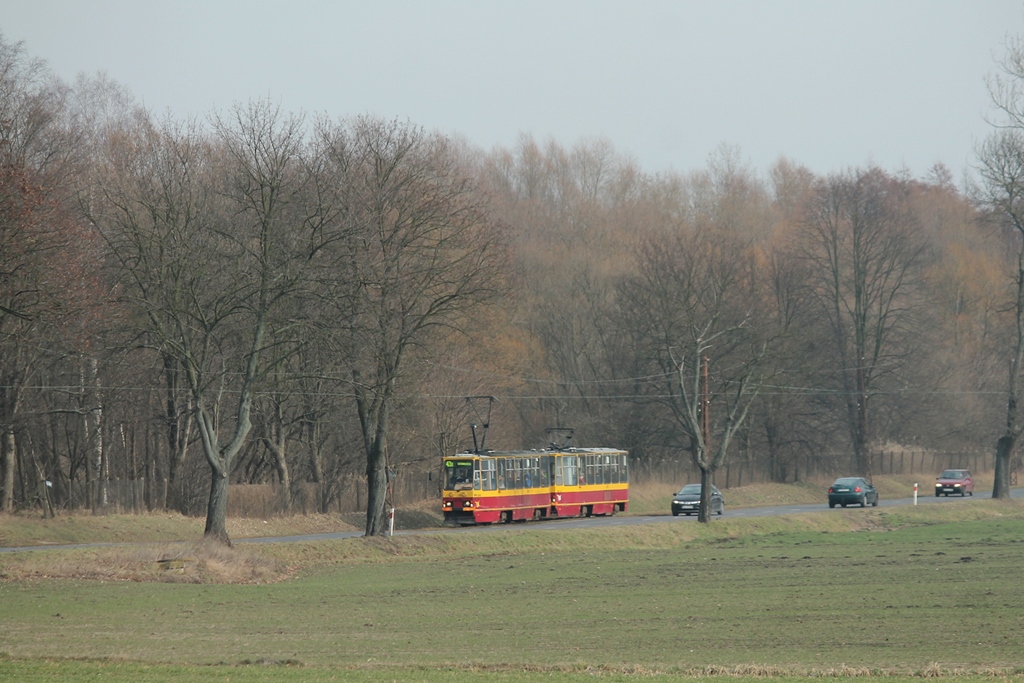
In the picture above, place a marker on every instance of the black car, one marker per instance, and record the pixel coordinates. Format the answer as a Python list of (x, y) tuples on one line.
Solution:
[(687, 501), (852, 491)]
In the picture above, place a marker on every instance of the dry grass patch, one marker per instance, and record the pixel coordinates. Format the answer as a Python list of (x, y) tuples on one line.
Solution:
[(289, 526), (30, 529), (193, 562)]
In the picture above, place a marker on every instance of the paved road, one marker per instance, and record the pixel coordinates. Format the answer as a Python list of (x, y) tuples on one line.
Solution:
[(578, 523)]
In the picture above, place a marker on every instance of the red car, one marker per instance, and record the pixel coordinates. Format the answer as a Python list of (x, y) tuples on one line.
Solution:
[(954, 481)]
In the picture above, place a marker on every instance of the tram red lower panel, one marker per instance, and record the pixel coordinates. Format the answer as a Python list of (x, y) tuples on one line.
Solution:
[(537, 504)]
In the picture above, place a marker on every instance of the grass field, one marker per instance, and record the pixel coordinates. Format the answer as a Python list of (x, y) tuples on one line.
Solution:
[(891, 594)]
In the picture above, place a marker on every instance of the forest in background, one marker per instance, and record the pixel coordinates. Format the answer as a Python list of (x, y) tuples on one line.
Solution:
[(266, 296)]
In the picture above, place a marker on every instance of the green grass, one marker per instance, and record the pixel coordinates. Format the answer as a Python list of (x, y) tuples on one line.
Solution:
[(271, 672), (890, 593), (283, 672), (897, 593)]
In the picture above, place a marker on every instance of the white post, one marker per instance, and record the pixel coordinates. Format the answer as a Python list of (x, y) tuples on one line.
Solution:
[(915, 493), (391, 521)]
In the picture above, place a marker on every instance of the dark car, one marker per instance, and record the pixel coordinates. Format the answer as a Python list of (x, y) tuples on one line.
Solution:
[(687, 501), (954, 481), (852, 491)]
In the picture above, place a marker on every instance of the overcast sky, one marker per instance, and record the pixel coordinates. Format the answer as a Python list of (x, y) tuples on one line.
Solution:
[(826, 83)]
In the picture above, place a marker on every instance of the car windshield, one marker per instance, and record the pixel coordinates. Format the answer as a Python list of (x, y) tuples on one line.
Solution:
[(693, 489), (953, 474), (848, 482)]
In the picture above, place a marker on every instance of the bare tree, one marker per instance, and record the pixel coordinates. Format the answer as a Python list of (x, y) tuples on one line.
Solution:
[(208, 243), (1001, 166), (577, 213), (419, 253), (1002, 171), (688, 302), (864, 252), (44, 253)]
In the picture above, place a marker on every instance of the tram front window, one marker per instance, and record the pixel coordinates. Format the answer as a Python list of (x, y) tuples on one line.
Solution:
[(458, 475)]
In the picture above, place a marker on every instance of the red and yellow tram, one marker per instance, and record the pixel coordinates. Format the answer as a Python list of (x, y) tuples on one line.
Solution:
[(482, 488)]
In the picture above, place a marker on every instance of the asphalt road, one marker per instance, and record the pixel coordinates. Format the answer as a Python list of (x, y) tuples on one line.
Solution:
[(582, 523)]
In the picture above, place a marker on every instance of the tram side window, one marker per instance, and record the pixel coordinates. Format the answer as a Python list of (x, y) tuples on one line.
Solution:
[(625, 468), (487, 475), (569, 474), (501, 473), (545, 470)]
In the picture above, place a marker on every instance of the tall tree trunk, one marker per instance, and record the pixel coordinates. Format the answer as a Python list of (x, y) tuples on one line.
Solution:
[(217, 508), (8, 454), (316, 467), (93, 421), (704, 514), (1006, 443), (219, 459), (377, 490), (1004, 451), (179, 433), (277, 444), (374, 409)]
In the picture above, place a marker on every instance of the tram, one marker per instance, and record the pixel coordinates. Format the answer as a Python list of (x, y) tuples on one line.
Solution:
[(507, 486)]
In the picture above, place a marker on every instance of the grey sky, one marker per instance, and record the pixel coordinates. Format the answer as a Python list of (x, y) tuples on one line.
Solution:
[(827, 83)]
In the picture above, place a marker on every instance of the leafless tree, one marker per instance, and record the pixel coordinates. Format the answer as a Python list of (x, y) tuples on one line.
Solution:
[(44, 252), (865, 252), (208, 242), (1001, 166), (686, 303), (418, 254)]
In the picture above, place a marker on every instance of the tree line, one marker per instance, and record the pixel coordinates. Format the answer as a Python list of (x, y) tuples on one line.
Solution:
[(264, 295)]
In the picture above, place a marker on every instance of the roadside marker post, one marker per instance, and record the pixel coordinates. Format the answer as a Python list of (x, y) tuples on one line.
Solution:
[(915, 493)]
